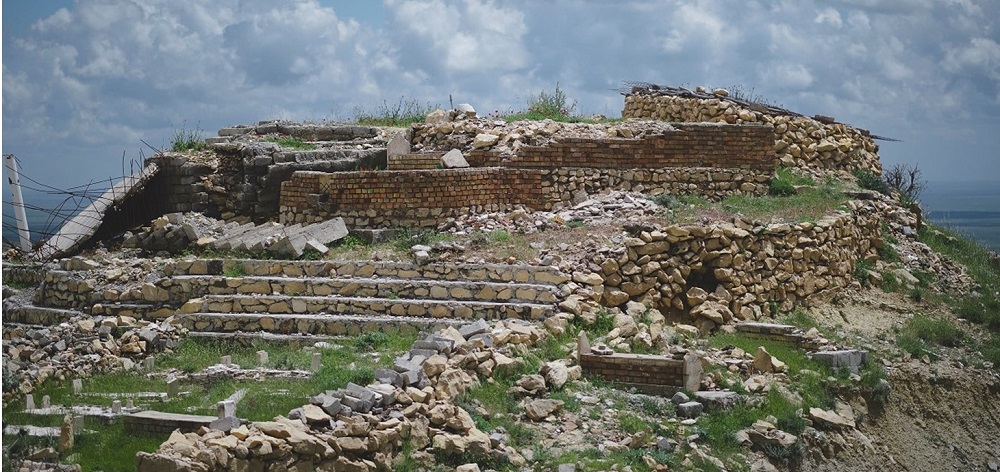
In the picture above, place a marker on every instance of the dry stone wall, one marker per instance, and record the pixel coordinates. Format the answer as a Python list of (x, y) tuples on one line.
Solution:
[(721, 273), (799, 141)]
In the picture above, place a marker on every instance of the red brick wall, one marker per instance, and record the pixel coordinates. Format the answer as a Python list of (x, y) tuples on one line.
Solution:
[(691, 145), (638, 370)]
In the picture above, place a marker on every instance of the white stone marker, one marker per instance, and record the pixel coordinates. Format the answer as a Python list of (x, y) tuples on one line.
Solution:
[(226, 409), (29, 402), (226, 360), (317, 362), (129, 403), (173, 387), (77, 386), (149, 363), (46, 402), (116, 406), (78, 424), (262, 358)]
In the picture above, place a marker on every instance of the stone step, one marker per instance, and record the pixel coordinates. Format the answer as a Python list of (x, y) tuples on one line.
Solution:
[(316, 325), (277, 304), (136, 310), (38, 315), (191, 286), (522, 273), (248, 338)]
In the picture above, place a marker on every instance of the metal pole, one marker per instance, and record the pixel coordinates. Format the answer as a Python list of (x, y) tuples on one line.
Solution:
[(15, 185)]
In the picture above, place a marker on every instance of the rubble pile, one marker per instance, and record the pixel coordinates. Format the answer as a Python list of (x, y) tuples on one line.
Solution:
[(176, 232), (81, 347), (363, 427), (468, 134)]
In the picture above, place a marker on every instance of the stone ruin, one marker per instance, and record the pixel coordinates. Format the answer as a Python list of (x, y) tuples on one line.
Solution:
[(349, 177)]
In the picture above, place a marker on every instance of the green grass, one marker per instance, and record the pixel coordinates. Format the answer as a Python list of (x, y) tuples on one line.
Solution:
[(401, 113), (719, 427), (870, 181), (114, 450), (234, 269), (631, 424), (187, 140), (861, 270), (983, 309), (810, 204), (922, 332), (800, 319), (293, 143), (785, 180)]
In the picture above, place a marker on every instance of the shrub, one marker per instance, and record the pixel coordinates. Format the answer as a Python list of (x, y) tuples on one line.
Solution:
[(906, 181), (404, 112), (234, 270), (870, 181), (861, 269), (781, 187)]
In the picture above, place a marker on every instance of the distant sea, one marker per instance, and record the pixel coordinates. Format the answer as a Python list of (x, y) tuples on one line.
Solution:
[(41, 224), (971, 208)]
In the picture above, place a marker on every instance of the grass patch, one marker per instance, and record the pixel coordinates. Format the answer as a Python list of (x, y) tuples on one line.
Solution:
[(187, 140), (922, 332), (807, 205), (401, 113), (631, 423), (861, 269), (870, 181), (785, 180), (234, 270), (112, 449), (800, 319), (293, 143)]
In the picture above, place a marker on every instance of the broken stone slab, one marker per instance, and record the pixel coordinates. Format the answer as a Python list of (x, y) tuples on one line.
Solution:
[(717, 399), (690, 409), (402, 364), (454, 159), (472, 329), (398, 145), (390, 377), (225, 424), (852, 359), (77, 231)]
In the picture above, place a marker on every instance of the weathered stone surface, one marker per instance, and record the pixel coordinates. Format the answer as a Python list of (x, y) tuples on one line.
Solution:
[(538, 410), (765, 362), (829, 418)]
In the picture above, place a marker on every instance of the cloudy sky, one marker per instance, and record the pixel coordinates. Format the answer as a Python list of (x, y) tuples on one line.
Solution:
[(85, 80)]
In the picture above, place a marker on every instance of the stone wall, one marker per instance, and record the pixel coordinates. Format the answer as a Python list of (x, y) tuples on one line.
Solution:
[(181, 185), (712, 160), (739, 271), (800, 141)]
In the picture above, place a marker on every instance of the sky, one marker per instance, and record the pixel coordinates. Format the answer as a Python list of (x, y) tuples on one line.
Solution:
[(85, 81)]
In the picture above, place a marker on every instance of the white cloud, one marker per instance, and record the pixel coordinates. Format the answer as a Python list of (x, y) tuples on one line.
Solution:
[(137, 68), (829, 16), (787, 75), (691, 25), (980, 53), (467, 36)]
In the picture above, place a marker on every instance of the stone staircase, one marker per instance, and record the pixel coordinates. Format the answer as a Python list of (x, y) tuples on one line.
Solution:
[(216, 297)]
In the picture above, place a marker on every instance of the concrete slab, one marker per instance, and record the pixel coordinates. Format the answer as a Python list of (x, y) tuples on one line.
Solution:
[(77, 231)]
